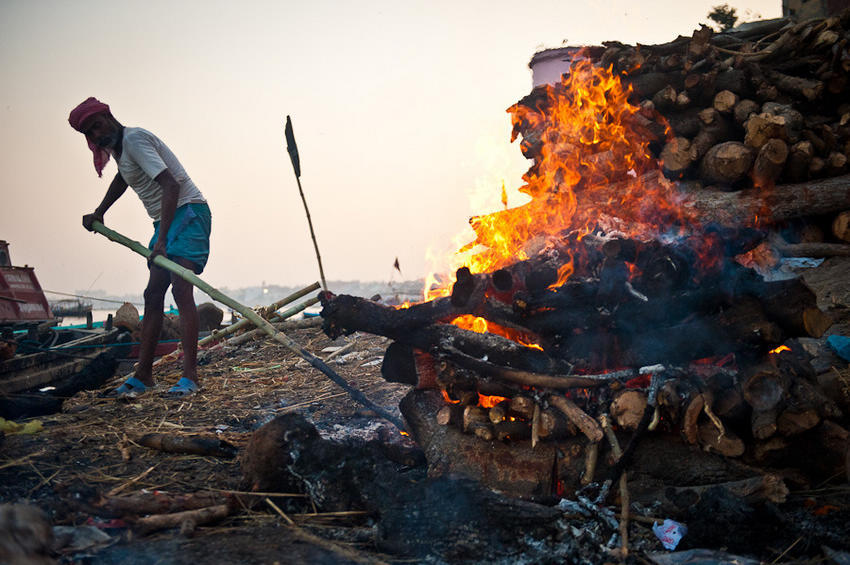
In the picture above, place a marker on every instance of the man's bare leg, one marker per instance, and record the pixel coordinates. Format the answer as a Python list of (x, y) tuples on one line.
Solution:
[(152, 322), (183, 293)]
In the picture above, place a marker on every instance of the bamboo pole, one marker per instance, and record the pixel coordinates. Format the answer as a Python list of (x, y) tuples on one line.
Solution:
[(244, 322), (248, 336), (271, 309), (255, 318)]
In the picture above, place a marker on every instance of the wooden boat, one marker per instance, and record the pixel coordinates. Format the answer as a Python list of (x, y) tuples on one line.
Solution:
[(22, 302)]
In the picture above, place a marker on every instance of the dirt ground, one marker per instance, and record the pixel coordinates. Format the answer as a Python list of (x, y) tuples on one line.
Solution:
[(79, 453)]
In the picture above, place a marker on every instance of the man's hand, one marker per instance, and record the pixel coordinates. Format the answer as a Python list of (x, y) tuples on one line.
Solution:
[(89, 219), (158, 249)]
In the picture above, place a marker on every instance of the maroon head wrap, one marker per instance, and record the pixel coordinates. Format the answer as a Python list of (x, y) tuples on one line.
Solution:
[(88, 108)]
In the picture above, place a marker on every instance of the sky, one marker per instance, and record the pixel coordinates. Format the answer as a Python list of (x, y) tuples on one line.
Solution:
[(398, 107)]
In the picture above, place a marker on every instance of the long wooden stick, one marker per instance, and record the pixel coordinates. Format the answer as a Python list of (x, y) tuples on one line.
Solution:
[(220, 334), (255, 318), (292, 148)]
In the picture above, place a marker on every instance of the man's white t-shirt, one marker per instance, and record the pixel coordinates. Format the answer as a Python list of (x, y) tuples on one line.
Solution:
[(143, 157)]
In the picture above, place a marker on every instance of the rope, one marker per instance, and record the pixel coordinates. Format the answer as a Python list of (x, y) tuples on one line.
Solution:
[(91, 297)]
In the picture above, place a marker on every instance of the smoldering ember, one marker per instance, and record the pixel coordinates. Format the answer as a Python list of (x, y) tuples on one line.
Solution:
[(645, 363)]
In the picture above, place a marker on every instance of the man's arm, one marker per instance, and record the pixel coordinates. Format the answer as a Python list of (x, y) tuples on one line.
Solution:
[(170, 193), (113, 193)]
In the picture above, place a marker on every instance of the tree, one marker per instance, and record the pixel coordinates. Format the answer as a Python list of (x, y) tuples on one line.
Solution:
[(724, 16)]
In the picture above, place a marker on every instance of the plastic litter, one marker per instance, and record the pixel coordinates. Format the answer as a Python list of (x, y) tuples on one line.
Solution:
[(670, 533), (11, 428), (841, 345)]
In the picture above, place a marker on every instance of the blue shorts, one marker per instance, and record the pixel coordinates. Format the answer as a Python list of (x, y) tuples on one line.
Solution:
[(189, 235)]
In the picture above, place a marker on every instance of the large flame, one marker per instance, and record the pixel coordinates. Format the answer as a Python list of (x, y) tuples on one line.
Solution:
[(592, 166)]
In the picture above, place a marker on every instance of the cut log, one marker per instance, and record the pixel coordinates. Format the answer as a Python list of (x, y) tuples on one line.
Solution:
[(726, 163), (512, 431), (841, 226), (725, 101), (763, 423), (744, 109), (715, 441), (785, 202), (473, 415), (836, 163), (451, 415), (665, 98), (792, 305), (588, 426), (408, 365), (676, 157), (799, 159), (627, 408), (690, 428), (761, 128), (716, 129), (522, 406), (186, 521), (345, 313), (810, 90), (157, 502), (769, 163), (765, 387), (791, 423), (815, 250)]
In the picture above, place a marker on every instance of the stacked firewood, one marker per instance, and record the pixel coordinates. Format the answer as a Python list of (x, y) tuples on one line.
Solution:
[(662, 323), (765, 105), (695, 349)]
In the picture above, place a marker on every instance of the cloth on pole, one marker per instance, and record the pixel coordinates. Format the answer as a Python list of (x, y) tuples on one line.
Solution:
[(292, 148)]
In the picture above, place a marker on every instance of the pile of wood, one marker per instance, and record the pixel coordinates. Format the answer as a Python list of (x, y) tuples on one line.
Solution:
[(675, 334), (670, 348), (761, 106)]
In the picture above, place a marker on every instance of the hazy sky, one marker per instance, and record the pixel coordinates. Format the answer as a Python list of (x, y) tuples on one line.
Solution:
[(398, 109)]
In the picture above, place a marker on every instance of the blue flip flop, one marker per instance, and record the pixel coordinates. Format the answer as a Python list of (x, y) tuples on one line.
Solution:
[(131, 388), (184, 387)]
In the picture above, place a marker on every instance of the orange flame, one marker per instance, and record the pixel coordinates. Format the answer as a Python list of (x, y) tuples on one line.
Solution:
[(489, 401), (448, 398), (481, 325), (779, 349), (592, 167)]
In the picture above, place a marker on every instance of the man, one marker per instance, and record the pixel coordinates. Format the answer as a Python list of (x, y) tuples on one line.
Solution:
[(181, 220)]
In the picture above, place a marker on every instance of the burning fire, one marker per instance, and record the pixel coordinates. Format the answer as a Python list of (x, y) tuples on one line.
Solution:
[(779, 349), (585, 136)]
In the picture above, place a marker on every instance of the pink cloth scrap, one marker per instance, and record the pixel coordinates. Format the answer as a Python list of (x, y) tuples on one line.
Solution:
[(86, 109)]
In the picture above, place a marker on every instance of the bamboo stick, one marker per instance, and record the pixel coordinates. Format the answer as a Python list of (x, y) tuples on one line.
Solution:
[(255, 318), (248, 336), (220, 334)]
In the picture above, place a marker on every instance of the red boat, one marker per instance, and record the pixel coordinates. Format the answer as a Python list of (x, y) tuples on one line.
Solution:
[(22, 302)]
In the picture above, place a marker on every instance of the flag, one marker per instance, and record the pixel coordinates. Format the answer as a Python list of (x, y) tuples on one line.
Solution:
[(292, 148)]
